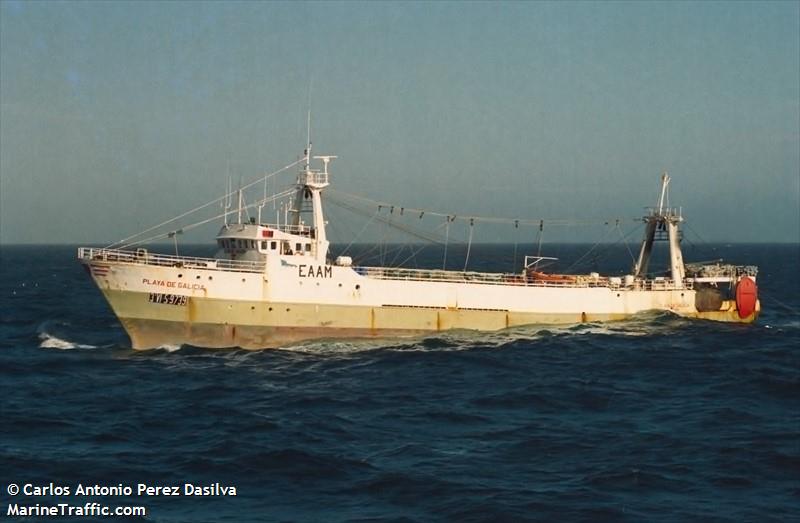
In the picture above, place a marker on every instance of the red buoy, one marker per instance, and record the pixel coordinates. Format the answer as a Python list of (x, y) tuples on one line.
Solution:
[(746, 296)]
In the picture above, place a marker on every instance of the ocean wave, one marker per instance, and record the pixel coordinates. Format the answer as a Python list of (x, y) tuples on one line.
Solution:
[(791, 323), (169, 347), (59, 334), (50, 341), (337, 347), (645, 324), (462, 340)]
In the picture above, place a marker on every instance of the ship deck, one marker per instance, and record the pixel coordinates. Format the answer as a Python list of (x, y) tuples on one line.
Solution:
[(144, 257)]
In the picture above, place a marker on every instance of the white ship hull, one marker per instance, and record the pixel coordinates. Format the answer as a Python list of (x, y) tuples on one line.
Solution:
[(171, 301)]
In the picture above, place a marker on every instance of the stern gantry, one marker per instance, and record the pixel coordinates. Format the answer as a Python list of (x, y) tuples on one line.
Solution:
[(662, 224)]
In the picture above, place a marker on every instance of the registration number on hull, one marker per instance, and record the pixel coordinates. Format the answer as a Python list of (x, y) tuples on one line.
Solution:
[(168, 299)]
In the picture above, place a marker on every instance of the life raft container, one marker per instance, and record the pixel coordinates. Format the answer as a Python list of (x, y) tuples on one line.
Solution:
[(553, 278)]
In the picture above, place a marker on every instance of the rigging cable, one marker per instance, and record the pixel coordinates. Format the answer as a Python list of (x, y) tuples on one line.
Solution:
[(446, 239), (469, 244), (484, 219), (786, 307), (195, 225), (414, 253), (122, 242), (579, 260), (541, 233), (357, 236), (623, 238), (423, 235)]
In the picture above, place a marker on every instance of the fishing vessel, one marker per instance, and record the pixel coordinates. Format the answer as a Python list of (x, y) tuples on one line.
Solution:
[(273, 284)]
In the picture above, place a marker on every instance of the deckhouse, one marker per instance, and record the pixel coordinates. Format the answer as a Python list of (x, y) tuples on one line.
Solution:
[(252, 241)]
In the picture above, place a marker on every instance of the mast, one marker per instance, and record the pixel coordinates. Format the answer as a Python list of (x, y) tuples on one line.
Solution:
[(240, 202), (228, 201), (310, 183), (662, 220), (307, 152), (302, 189), (319, 183)]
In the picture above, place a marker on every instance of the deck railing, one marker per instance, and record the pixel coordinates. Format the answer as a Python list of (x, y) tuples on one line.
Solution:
[(143, 257), (493, 278), (312, 177), (300, 230)]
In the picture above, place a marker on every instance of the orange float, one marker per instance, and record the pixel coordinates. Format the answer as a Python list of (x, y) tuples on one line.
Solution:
[(746, 296)]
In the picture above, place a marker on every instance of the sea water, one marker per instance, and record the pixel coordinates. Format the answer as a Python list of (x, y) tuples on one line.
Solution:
[(656, 418)]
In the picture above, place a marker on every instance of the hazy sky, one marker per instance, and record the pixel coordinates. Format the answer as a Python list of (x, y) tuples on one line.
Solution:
[(117, 115)]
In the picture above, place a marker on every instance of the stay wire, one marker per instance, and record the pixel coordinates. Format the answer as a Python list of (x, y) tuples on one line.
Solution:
[(122, 242), (469, 245), (786, 307), (196, 224), (475, 219), (579, 260), (414, 253)]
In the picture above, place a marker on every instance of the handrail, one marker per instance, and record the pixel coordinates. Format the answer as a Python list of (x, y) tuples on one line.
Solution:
[(666, 212), (143, 257), (298, 230), (301, 229), (533, 261), (313, 177), (494, 278)]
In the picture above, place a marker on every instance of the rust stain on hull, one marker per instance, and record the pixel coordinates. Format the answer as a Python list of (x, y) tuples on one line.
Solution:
[(257, 325), (728, 312)]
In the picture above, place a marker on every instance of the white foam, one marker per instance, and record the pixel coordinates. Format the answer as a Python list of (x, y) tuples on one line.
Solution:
[(460, 340), (787, 324), (321, 347), (53, 342), (169, 348)]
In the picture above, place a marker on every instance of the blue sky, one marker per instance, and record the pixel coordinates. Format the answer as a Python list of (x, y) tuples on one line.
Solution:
[(115, 115)]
